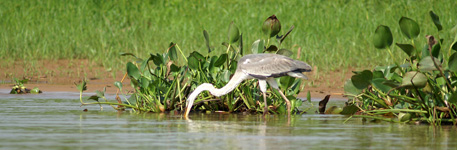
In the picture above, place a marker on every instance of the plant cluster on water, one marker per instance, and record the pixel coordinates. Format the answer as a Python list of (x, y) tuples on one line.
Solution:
[(423, 88), (19, 88), (161, 84)]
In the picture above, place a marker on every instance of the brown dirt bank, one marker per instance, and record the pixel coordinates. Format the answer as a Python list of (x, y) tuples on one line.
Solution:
[(61, 75)]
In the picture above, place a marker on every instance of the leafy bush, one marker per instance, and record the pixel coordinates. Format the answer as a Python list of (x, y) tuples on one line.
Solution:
[(421, 89), (164, 84)]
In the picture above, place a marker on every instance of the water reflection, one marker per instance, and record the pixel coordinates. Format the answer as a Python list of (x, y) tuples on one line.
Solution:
[(61, 124)]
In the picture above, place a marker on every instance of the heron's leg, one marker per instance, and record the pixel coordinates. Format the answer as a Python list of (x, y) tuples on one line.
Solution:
[(263, 88), (265, 109), (287, 101), (274, 85)]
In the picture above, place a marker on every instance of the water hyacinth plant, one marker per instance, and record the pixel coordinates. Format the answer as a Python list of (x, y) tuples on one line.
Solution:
[(162, 84), (19, 88), (420, 89)]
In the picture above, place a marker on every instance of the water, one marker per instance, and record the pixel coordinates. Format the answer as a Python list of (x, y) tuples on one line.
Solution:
[(56, 121)]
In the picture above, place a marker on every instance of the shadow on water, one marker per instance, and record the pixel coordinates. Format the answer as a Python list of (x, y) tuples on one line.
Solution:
[(60, 123)]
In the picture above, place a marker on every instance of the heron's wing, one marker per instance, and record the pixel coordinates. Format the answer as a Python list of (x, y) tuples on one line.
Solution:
[(272, 65)]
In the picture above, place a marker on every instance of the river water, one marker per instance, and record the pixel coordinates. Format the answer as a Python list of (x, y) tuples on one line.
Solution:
[(56, 121)]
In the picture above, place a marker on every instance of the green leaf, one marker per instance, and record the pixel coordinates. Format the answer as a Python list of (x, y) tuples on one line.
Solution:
[(403, 117), (144, 64), (233, 33), (233, 66), (197, 55), (333, 110), (426, 64), (440, 81), (272, 48), (192, 62), (378, 74), (413, 77), (118, 85), (127, 54), (221, 60), (212, 61), (144, 82), (81, 86), (35, 91), (174, 68), (257, 47), (93, 97), (453, 62), (100, 93), (284, 52), (391, 83), (226, 76), (349, 110), (362, 79), (281, 109), (453, 98), (172, 54), (436, 20), (157, 59), (425, 51), (134, 83), (379, 84), (350, 89), (407, 48), (296, 87), (205, 34), (286, 81), (164, 58), (382, 37), (13, 91), (133, 71), (436, 49), (409, 27)]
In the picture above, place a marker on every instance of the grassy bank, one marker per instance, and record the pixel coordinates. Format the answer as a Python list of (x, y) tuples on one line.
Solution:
[(332, 34)]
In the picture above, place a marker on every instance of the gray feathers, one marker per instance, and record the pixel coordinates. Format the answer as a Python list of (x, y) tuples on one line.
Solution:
[(264, 66)]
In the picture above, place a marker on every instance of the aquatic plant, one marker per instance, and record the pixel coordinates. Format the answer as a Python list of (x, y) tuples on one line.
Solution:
[(162, 84), (19, 87), (420, 89)]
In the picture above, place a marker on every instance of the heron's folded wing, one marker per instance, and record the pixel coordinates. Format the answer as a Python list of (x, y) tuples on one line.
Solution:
[(268, 66)]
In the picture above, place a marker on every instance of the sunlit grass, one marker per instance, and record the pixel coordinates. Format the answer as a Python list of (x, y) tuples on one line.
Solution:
[(333, 34)]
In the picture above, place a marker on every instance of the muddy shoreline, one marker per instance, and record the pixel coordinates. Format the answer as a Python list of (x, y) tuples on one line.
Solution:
[(58, 76)]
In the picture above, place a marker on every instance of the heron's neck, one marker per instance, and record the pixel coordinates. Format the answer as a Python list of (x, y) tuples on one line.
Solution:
[(237, 78)]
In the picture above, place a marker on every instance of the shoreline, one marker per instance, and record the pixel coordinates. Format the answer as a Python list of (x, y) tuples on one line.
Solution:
[(50, 76)]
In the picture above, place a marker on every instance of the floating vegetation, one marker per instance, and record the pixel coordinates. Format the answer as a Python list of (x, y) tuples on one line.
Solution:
[(19, 88), (162, 84), (420, 89)]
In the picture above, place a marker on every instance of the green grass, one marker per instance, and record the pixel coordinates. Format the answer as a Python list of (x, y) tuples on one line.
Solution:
[(333, 34)]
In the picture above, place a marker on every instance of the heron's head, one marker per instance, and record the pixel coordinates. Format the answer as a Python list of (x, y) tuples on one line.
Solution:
[(194, 94)]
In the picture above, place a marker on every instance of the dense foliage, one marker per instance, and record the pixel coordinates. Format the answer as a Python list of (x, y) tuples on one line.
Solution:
[(161, 84), (420, 89)]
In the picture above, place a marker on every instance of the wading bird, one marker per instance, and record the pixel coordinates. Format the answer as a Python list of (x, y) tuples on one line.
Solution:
[(264, 67)]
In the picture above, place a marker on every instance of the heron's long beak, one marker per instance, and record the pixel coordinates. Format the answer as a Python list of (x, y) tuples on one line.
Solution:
[(186, 114), (190, 102)]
